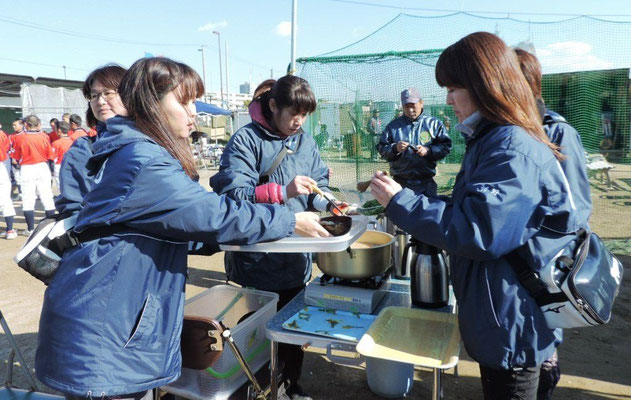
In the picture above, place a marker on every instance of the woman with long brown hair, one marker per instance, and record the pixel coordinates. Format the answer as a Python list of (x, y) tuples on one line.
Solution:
[(510, 195), (112, 315)]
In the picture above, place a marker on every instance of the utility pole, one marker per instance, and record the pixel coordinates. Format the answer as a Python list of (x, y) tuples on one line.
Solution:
[(204, 69), (227, 78), (294, 22), (64, 72), (220, 71)]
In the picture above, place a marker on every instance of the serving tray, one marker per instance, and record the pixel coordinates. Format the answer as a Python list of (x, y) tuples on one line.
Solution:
[(299, 244), (413, 336), (329, 322)]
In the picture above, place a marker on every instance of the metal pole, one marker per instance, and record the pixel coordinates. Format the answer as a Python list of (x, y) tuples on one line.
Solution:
[(227, 80), (274, 370), (64, 72), (294, 22), (220, 70), (438, 385), (18, 353), (204, 68)]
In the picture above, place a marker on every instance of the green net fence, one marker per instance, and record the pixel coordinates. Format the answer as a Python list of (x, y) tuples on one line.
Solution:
[(586, 79)]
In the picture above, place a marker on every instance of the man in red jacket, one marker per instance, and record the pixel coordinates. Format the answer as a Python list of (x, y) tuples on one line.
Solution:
[(53, 135), (60, 147), (76, 131), (32, 151)]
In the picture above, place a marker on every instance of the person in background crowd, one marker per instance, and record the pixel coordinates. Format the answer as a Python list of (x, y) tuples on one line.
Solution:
[(7, 159), (53, 134), (60, 147), (101, 91), (510, 195), (574, 166), (18, 131), (8, 211), (561, 133), (197, 136), (76, 131), (413, 143), (374, 129), (66, 117), (124, 292), (272, 160), (33, 151)]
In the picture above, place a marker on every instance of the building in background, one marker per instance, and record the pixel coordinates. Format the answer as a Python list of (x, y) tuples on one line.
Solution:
[(236, 101), (244, 88)]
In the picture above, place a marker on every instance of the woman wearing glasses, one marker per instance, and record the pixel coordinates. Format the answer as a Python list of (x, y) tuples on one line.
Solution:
[(112, 315), (101, 90)]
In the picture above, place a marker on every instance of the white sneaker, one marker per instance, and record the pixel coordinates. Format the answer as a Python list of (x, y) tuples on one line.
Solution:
[(10, 235), (26, 232), (3, 234)]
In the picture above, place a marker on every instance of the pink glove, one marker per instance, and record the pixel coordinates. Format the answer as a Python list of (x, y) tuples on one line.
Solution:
[(271, 193)]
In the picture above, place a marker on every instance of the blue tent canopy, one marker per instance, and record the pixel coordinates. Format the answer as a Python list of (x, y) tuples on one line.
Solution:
[(210, 109)]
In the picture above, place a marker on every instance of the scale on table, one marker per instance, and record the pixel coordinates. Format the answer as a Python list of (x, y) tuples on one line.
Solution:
[(361, 295)]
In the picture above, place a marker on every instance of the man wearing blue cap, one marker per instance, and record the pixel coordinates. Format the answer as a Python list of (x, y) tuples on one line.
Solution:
[(413, 143)]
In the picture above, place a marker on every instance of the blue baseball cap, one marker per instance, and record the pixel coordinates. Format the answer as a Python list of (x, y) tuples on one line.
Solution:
[(410, 95)]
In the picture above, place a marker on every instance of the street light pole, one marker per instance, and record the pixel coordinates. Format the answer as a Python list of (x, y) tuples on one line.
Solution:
[(64, 72), (294, 22), (220, 70), (204, 69), (227, 80)]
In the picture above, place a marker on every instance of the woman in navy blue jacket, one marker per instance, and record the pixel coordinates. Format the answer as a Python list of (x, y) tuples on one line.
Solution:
[(278, 110), (101, 90), (112, 315), (510, 194)]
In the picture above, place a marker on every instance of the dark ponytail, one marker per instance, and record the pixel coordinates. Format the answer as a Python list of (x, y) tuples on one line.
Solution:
[(288, 91)]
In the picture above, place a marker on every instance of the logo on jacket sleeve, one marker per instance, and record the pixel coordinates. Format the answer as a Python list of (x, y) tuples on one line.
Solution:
[(425, 137)]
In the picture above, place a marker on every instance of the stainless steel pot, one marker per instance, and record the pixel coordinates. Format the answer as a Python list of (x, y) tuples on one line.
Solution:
[(359, 263)]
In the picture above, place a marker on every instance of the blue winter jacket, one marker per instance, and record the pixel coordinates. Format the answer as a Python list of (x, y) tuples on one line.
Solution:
[(251, 152), (509, 192), (112, 315), (74, 182), (575, 165), (408, 167)]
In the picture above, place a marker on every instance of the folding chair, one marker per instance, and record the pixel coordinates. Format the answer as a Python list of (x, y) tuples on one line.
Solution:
[(9, 393)]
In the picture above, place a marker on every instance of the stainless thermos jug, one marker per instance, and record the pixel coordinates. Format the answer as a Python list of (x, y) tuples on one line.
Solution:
[(429, 286)]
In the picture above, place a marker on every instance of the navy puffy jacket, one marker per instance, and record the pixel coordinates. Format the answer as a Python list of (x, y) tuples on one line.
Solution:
[(509, 192), (112, 315)]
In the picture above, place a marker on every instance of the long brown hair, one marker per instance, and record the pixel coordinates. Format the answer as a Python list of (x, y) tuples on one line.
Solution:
[(142, 90), (288, 91), (483, 64), (110, 76), (531, 68)]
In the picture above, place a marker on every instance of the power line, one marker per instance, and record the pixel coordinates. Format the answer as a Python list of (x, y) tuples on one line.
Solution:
[(42, 64), (27, 24), (365, 3)]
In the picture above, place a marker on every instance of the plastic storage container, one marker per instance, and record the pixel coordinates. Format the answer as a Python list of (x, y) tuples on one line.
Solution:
[(229, 304)]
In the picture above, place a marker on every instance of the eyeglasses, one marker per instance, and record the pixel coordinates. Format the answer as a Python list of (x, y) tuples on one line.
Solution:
[(107, 95)]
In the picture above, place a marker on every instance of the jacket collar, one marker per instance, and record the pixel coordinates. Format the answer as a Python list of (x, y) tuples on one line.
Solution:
[(469, 125), (256, 113), (120, 131)]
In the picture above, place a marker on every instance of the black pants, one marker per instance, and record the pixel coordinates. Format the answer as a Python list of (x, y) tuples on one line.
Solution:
[(527, 383), (509, 384), (290, 354)]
